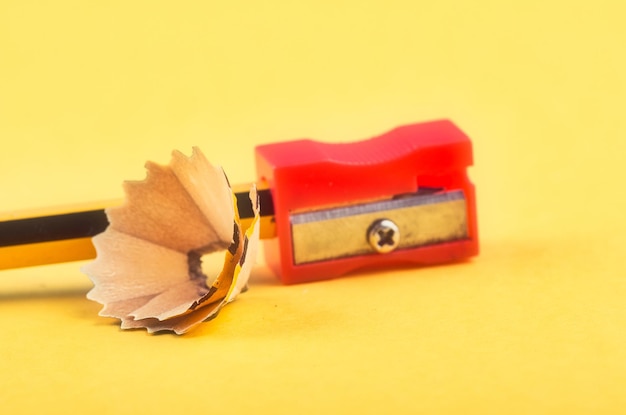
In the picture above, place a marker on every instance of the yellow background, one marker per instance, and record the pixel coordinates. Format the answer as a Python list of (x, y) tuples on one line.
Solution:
[(535, 324)]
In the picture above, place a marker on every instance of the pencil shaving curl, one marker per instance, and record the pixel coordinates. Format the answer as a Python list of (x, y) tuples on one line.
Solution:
[(148, 272)]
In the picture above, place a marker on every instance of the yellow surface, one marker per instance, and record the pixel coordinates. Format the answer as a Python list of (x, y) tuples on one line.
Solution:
[(535, 324)]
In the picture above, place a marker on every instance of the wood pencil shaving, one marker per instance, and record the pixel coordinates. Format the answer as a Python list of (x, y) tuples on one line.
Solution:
[(148, 271)]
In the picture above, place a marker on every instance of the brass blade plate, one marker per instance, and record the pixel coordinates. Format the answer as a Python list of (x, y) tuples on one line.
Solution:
[(342, 232)]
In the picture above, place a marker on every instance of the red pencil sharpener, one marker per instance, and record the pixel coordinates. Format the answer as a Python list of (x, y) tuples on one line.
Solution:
[(402, 197)]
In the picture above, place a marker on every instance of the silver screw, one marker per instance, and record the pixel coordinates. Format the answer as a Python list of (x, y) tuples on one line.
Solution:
[(383, 235)]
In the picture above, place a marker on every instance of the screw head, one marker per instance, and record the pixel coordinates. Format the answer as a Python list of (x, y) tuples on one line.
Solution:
[(383, 235)]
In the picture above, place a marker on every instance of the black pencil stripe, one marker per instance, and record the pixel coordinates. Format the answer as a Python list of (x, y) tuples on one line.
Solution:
[(52, 228), (245, 206), (89, 223)]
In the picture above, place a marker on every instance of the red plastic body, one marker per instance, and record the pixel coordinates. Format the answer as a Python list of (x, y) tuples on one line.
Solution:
[(307, 175)]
